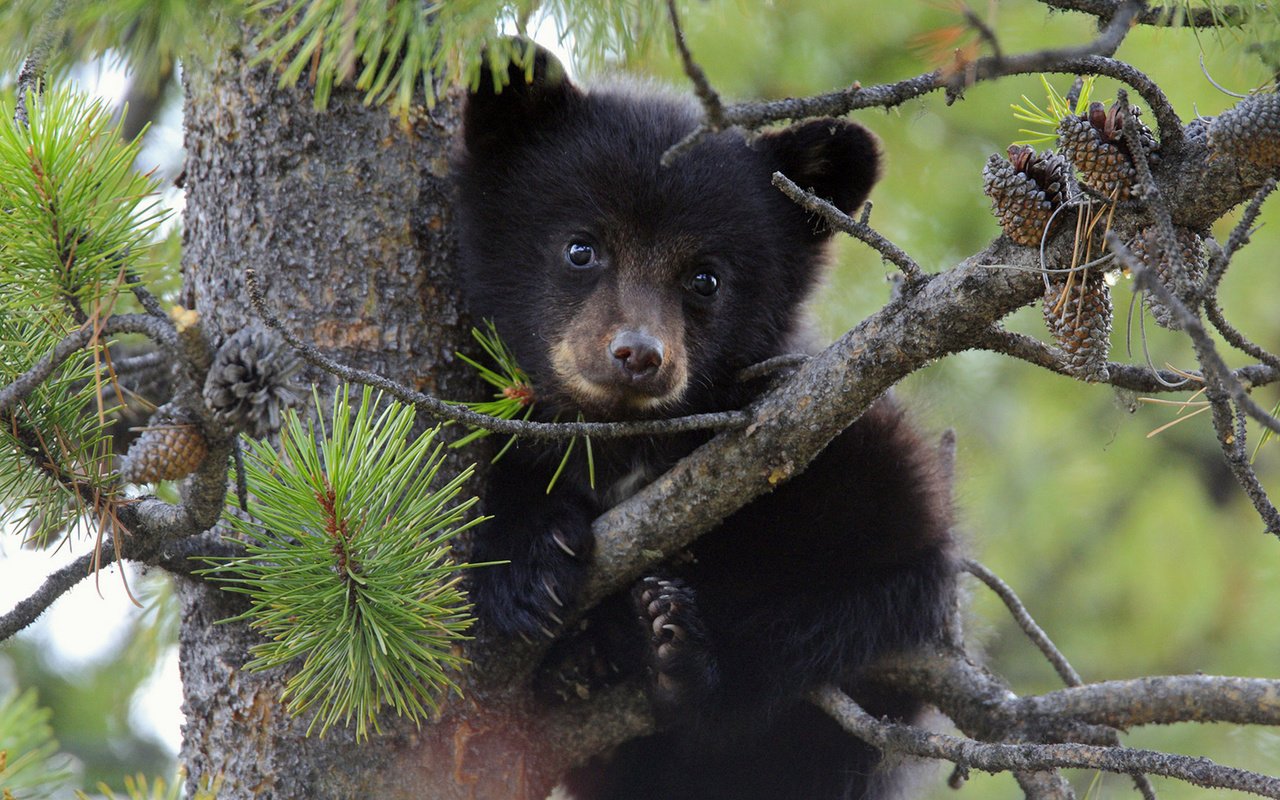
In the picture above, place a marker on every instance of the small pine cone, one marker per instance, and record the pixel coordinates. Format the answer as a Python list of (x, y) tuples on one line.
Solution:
[(1094, 142), (1080, 320), (170, 447), (1250, 131), (1193, 262), (1025, 190), (250, 383)]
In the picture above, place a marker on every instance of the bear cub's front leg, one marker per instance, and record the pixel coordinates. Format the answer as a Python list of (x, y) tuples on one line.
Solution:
[(547, 543)]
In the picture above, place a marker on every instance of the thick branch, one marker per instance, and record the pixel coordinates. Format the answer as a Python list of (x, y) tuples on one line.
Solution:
[(1163, 700), (1032, 757)]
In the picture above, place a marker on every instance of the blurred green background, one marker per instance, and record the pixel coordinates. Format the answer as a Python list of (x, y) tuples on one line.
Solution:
[(1138, 555)]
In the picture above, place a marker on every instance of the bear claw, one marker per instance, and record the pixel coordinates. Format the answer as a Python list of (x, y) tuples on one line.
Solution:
[(678, 660)]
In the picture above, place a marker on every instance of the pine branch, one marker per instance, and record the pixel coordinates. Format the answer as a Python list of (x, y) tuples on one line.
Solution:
[(57, 584)]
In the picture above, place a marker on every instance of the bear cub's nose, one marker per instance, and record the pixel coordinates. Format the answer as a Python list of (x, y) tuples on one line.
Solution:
[(638, 355)]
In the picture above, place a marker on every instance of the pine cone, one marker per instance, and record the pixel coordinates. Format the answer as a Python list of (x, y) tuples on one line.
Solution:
[(170, 447), (1094, 142), (1079, 318), (1025, 190), (1250, 131), (249, 385), (1191, 249)]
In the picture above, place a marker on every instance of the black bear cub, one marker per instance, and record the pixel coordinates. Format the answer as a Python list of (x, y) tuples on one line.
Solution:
[(630, 290)]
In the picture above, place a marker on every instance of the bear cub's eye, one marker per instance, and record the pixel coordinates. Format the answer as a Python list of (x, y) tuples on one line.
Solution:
[(704, 283), (580, 255)]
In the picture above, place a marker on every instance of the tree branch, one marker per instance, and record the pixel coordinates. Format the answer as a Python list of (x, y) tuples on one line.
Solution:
[(1122, 376), (1025, 621), (31, 73), (841, 221), (752, 116), (726, 420), (1163, 16), (57, 584), (22, 386), (1034, 757)]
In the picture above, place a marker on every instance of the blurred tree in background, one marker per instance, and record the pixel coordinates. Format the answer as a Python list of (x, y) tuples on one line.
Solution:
[(1138, 554)]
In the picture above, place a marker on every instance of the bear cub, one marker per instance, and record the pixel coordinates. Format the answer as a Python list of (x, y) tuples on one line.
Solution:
[(629, 290)]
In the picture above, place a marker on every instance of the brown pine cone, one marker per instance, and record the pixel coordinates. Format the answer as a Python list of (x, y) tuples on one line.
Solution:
[(169, 448), (1078, 313), (1094, 141), (1025, 190), (1191, 250), (1250, 130)]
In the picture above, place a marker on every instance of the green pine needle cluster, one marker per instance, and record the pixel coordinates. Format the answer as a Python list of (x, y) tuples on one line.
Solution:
[(76, 212), (30, 766), (1057, 107), (389, 50), (514, 398), (138, 788), (347, 564), (74, 215), (148, 35)]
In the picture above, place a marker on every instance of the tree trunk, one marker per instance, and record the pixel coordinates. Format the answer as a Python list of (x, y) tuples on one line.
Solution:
[(345, 214)]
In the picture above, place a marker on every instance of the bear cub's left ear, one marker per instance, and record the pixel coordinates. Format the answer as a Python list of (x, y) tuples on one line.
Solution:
[(836, 159)]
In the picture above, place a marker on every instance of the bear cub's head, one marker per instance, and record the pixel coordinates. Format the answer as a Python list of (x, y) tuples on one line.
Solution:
[(628, 289)]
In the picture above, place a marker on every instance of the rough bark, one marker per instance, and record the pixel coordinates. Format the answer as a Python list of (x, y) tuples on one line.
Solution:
[(345, 214)]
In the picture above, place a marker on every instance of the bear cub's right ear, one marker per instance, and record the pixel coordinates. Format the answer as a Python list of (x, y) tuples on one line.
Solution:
[(505, 107), (836, 159)]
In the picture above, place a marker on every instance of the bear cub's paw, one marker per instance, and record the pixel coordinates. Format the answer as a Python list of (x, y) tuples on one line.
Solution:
[(682, 669), (528, 597)]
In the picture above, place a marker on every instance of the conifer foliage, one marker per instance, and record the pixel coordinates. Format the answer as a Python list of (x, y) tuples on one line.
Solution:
[(347, 563)]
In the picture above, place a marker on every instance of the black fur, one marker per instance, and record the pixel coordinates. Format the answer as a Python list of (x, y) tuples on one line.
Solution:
[(802, 587)]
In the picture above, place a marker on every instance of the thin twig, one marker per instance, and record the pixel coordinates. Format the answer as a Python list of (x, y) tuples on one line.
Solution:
[(1221, 388), (711, 105), (841, 221), (719, 421), (1046, 646), (1088, 58), (770, 366), (1239, 237), (713, 109), (897, 737), (1025, 621), (1234, 337), (57, 584), (31, 74)]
